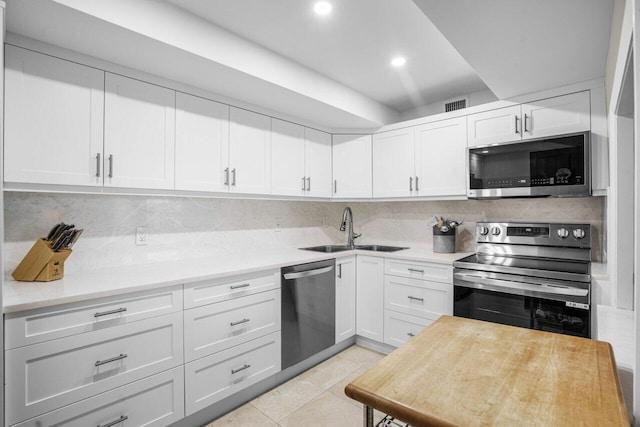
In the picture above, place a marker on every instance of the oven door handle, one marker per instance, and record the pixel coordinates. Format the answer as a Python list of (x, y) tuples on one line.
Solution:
[(477, 282)]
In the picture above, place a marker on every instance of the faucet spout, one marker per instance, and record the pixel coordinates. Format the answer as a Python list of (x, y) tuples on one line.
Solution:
[(347, 215)]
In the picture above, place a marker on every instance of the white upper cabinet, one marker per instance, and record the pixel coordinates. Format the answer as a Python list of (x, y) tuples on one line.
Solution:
[(249, 152), (440, 158), (393, 163), (547, 117), (202, 144), (139, 134), (53, 120), (352, 156), (494, 127), (317, 163), (556, 116), (287, 158)]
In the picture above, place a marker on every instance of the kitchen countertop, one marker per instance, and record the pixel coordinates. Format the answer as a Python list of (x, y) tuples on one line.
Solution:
[(20, 296), (469, 372)]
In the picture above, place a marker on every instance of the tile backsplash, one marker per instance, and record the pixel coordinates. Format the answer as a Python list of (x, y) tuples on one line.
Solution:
[(183, 227)]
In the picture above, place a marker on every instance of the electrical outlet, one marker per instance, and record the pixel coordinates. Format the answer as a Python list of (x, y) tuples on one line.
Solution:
[(324, 222), (278, 225), (141, 236)]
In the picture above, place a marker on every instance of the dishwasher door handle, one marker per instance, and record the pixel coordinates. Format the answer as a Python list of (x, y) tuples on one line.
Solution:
[(308, 273)]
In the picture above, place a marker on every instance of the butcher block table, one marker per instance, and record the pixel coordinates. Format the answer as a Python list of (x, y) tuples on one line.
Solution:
[(462, 372)]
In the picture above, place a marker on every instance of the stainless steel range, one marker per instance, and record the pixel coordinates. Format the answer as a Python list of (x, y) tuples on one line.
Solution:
[(536, 276)]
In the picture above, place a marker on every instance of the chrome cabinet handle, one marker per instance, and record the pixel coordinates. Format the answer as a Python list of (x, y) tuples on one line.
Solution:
[(244, 285), (339, 271), (98, 165), (415, 298), (113, 359), (415, 270), (303, 184), (240, 322), (526, 118), (226, 177), (110, 165), (233, 173), (114, 422), (245, 366), (106, 313), (335, 185), (517, 131), (417, 189), (411, 334), (410, 183), (308, 183)]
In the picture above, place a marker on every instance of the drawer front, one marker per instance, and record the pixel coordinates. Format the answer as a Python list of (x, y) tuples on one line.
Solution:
[(417, 297), (46, 324), (211, 291), (155, 401), (46, 376), (215, 327), (400, 328), (419, 270), (212, 378)]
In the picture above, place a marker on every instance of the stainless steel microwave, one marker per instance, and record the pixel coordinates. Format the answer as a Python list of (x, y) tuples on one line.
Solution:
[(557, 166)]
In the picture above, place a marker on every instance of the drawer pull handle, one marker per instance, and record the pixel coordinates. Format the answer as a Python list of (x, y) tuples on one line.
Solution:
[(415, 270), (114, 422), (113, 359), (415, 298), (106, 313), (411, 334), (235, 371), (244, 285), (239, 322)]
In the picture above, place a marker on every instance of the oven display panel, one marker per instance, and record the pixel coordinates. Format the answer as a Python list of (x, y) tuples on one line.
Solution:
[(528, 231)]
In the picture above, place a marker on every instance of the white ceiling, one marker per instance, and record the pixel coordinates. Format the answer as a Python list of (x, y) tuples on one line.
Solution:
[(334, 71)]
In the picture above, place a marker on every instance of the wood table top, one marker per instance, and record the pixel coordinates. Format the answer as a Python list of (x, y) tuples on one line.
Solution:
[(462, 372)]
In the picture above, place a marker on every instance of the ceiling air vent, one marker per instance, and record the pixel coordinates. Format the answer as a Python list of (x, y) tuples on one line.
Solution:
[(458, 104)]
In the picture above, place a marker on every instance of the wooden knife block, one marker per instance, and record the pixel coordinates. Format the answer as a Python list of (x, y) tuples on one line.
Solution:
[(41, 263)]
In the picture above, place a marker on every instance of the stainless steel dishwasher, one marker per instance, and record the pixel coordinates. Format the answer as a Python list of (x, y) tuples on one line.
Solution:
[(308, 310)]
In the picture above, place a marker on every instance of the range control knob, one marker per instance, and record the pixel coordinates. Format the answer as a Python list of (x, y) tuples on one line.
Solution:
[(563, 233), (578, 233), (495, 231), (483, 230)]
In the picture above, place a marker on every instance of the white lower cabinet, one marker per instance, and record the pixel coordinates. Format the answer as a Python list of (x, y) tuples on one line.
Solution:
[(345, 298), (155, 401), (48, 375), (212, 378), (417, 297), (370, 297), (400, 328)]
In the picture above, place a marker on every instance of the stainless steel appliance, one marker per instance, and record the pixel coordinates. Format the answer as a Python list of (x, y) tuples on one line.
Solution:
[(536, 276), (308, 310), (558, 166)]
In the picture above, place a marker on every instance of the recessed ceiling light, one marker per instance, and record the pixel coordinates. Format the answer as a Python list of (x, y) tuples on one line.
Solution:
[(398, 61), (322, 8)]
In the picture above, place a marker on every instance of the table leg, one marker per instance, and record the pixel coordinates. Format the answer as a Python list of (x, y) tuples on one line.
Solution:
[(368, 416)]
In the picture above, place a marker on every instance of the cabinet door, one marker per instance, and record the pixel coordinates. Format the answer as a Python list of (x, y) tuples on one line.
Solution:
[(250, 152), (345, 298), (317, 163), (370, 297), (393, 163), (202, 144), (495, 126), (440, 158), (556, 116), (352, 166), (139, 134), (53, 120), (287, 158)]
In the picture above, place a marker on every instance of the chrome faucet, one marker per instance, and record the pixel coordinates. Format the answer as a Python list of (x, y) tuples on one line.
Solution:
[(351, 236)]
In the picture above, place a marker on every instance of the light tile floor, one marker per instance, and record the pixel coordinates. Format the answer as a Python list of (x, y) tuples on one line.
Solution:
[(314, 398)]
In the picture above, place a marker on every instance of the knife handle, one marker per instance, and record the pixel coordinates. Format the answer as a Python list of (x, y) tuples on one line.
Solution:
[(98, 165), (110, 165)]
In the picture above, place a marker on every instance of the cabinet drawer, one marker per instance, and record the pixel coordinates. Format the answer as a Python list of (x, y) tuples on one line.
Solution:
[(419, 270), (214, 327), (400, 328), (215, 377), (155, 401), (45, 324), (417, 297), (49, 375), (210, 291)]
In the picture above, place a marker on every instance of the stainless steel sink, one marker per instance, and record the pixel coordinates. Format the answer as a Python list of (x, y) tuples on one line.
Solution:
[(340, 248)]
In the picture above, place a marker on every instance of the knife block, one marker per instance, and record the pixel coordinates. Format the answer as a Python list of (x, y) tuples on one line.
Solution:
[(41, 263)]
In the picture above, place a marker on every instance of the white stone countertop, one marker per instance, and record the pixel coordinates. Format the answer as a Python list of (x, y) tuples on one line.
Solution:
[(81, 286)]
